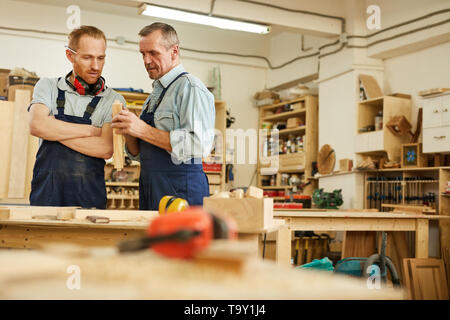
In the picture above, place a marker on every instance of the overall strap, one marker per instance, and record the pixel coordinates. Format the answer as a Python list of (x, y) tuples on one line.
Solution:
[(91, 107), (161, 96), (61, 100)]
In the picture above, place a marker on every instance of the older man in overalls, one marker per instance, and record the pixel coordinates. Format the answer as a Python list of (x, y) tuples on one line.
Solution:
[(176, 126)]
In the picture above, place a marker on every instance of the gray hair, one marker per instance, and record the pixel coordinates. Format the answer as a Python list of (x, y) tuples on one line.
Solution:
[(168, 32)]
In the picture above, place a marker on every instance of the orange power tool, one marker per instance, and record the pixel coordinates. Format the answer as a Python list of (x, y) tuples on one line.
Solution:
[(182, 234)]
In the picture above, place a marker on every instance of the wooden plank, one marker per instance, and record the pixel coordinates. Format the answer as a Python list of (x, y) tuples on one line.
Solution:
[(407, 279), (408, 208), (397, 250), (433, 91), (117, 215), (6, 123), (422, 234), (35, 236), (19, 145), (33, 146), (356, 214), (28, 212), (118, 155), (428, 279), (354, 224), (228, 255), (250, 214), (283, 246), (446, 258)]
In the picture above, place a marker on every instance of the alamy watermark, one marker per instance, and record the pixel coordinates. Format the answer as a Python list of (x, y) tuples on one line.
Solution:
[(73, 282), (373, 22), (374, 279), (246, 146)]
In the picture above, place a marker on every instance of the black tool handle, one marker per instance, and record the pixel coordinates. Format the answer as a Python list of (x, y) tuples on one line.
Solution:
[(145, 242)]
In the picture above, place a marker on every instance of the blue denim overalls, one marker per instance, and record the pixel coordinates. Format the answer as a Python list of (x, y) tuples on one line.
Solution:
[(160, 176), (65, 177)]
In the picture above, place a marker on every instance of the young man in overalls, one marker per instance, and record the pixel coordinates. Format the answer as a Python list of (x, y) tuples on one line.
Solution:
[(176, 127), (72, 116)]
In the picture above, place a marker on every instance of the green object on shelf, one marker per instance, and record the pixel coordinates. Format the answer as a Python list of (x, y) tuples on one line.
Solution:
[(328, 200), (324, 264)]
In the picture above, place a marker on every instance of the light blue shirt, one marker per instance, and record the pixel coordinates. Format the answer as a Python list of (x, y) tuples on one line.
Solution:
[(187, 112), (46, 93)]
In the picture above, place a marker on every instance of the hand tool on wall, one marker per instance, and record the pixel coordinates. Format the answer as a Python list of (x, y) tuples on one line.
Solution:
[(297, 245), (305, 257), (118, 144), (182, 234)]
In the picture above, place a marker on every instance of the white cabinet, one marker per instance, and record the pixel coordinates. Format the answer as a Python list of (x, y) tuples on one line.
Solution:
[(370, 141), (436, 140), (436, 124)]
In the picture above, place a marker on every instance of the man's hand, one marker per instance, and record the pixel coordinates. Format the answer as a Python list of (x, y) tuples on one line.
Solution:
[(128, 123)]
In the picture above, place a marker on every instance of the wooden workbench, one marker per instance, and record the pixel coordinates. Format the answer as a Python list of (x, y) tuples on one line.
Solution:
[(362, 221), (32, 233), (105, 274)]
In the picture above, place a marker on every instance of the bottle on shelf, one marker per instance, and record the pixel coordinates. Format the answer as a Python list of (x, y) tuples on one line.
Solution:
[(288, 146), (272, 180), (293, 145), (280, 146), (379, 121)]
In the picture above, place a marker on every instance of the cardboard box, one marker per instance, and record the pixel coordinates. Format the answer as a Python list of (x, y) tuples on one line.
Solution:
[(294, 122), (345, 165), (250, 214), (298, 106), (4, 82), (292, 160)]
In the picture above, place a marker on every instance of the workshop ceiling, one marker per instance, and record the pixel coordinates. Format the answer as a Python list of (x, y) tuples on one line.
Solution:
[(280, 14)]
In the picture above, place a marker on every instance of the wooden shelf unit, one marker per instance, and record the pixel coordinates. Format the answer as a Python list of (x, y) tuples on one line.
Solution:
[(306, 108), (381, 141)]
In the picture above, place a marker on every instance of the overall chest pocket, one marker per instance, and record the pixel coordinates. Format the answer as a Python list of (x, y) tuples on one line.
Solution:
[(164, 121)]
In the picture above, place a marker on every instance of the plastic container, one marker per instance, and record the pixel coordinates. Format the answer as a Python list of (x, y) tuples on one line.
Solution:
[(300, 198)]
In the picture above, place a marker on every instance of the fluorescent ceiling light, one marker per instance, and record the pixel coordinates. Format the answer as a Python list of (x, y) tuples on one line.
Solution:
[(223, 23)]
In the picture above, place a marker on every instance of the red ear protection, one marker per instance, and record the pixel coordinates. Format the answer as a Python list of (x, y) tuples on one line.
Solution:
[(83, 88)]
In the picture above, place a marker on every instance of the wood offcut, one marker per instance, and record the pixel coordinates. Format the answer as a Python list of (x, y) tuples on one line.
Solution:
[(118, 155)]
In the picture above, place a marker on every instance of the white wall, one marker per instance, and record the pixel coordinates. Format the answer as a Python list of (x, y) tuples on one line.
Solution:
[(45, 55), (417, 71)]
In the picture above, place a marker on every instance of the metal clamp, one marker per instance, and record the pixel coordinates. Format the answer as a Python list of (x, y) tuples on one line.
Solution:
[(440, 137)]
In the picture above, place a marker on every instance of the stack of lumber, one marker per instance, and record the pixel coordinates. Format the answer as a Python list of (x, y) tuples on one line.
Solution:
[(18, 149)]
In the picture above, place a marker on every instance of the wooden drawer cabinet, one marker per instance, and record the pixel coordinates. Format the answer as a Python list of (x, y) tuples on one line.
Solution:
[(436, 139), (436, 124), (436, 112)]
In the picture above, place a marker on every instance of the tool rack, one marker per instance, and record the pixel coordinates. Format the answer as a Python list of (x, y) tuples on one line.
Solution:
[(412, 187)]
